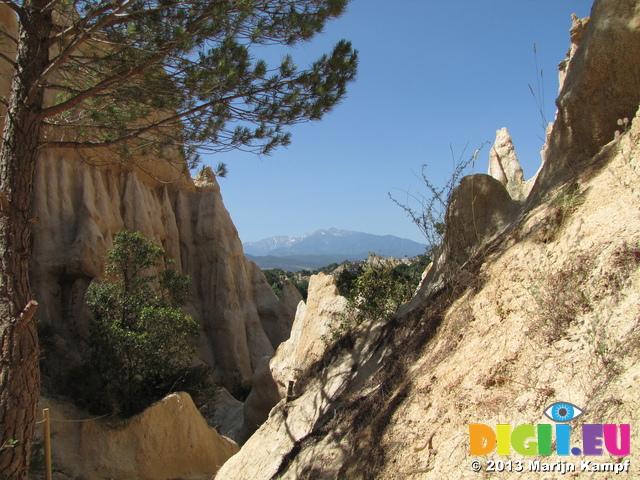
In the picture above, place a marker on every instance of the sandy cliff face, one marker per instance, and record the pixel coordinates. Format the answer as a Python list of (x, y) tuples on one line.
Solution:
[(79, 207), (600, 85), (539, 306), (168, 440)]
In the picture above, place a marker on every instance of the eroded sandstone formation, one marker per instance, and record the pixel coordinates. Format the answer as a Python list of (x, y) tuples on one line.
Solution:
[(83, 197), (307, 344), (311, 331), (168, 440), (505, 167), (529, 303), (601, 85), (79, 207)]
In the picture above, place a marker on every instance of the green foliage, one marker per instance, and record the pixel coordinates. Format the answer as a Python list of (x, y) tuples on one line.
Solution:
[(139, 349), (346, 279), (567, 201), (302, 284), (328, 269), (221, 170), (277, 289), (347, 273), (411, 272), (11, 443), (276, 277), (377, 290), (181, 74)]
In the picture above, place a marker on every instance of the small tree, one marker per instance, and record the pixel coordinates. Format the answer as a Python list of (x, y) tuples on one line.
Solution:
[(139, 348)]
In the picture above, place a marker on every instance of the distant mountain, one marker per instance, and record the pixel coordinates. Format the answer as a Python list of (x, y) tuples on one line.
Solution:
[(333, 245), (295, 263)]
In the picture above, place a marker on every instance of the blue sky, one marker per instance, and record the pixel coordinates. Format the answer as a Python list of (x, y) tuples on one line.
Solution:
[(433, 76)]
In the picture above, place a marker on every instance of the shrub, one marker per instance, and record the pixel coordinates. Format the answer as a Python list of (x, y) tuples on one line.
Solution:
[(429, 215), (277, 278), (346, 279), (138, 336), (380, 290), (376, 293)]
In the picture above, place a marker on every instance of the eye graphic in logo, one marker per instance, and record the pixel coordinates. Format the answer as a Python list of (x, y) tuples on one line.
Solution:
[(563, 412)]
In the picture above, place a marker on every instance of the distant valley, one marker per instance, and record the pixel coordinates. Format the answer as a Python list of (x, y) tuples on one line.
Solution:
[(324, 247)]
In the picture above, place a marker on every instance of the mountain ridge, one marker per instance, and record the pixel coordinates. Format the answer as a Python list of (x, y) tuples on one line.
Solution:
[(335, 242)]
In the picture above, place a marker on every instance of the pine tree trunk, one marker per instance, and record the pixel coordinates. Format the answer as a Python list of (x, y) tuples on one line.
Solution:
[(19, 353)]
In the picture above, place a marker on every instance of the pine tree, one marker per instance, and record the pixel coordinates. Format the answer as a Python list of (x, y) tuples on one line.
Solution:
[(162, 78)]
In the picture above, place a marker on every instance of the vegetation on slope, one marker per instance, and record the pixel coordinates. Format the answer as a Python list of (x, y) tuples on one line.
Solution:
[(138, 348), (407, 272)]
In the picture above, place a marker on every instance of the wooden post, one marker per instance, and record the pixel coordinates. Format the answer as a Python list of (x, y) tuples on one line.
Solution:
[(47, 444), (290, 391)]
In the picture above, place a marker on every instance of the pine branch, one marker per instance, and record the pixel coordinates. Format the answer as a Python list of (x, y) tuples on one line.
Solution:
[(100, 87), (81, 26), (167, 122), (51, 5), (79, 34), (121, 76)]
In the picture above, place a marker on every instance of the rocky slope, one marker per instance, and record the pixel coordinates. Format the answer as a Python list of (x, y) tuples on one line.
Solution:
[(533, 301)]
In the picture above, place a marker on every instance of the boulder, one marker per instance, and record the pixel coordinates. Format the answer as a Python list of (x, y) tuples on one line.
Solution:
[(479, 210)]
